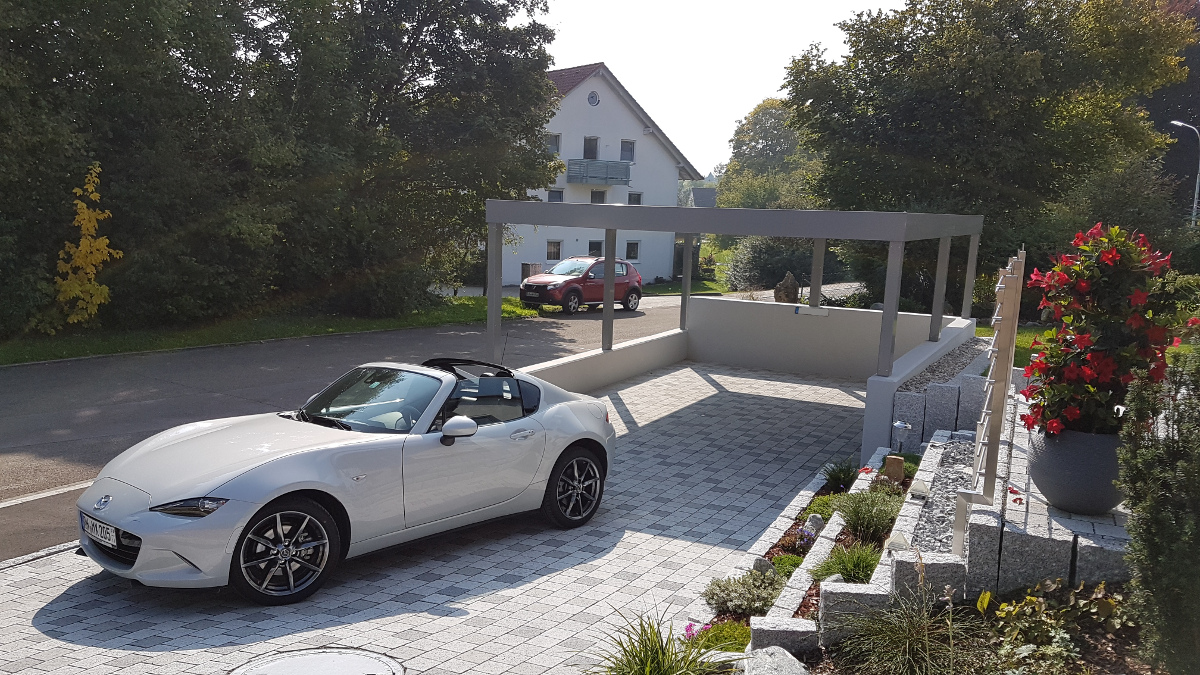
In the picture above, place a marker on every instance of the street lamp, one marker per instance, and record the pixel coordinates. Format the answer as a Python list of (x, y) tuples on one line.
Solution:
[(1196, 194)]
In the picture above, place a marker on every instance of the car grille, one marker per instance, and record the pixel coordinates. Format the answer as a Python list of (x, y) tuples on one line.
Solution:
[(536, 287), (126, 552)]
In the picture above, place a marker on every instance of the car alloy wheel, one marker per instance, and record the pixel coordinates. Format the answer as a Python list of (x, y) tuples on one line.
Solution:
[(632, 300), (575, 488), (571, 304), (286, 552)]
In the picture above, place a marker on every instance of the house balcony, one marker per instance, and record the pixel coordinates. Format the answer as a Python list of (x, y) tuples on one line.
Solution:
[(598, 172)]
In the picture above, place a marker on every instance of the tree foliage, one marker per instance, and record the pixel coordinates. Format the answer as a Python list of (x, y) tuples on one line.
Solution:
[(997, 107), (263, 149), (771, 167)]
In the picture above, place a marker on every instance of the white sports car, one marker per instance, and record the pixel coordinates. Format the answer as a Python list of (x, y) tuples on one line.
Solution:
[(388, 453)]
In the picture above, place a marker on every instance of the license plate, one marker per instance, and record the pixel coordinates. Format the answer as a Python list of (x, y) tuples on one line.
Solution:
[(105, 534), (531, 294)]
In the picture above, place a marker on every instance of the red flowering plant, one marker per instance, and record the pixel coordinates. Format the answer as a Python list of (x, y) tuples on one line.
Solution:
[(1111, 316)]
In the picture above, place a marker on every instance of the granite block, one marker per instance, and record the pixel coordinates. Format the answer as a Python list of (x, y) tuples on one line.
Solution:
[(941, 409), (970, 401), (909, 406), (1100, 558)]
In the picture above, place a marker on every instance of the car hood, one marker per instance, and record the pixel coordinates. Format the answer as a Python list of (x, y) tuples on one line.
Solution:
[(547, 278), (193, 459)]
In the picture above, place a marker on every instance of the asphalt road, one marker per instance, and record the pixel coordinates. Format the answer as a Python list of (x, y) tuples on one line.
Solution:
[(64, 420)]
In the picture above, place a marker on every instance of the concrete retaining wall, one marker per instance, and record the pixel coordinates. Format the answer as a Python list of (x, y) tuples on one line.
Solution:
[(596, 369)]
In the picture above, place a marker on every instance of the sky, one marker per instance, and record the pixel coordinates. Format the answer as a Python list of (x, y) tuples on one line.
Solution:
[(698, 67)]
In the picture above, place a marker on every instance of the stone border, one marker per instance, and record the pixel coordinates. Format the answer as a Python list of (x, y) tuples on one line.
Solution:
[(38, 555)]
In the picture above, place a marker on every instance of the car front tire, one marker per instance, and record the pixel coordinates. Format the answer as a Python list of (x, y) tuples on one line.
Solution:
[(287, 551), (632, 300), (575, 488), (571, 302)]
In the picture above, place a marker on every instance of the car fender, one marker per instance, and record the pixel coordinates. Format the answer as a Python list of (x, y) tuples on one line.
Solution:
[(570, 422)]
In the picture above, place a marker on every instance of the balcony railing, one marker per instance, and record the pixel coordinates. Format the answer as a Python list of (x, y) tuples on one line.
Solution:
[(598, 172)]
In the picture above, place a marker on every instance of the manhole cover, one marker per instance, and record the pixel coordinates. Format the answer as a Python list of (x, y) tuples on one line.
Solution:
[(331, 661)]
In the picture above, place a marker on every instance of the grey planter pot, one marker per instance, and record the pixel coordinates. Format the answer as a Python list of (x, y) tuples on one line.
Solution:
[(1075, 471)]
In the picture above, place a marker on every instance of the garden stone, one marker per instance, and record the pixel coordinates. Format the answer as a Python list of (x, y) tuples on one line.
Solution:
[(893, 468), (814, 524), (763, 566), (774, 661), (788, 290), (833, 579)]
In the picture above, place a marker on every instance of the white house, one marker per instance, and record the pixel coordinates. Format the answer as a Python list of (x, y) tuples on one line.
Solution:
[(615, 154)]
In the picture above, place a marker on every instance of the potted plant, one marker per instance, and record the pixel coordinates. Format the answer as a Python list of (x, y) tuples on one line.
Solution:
[(1110, 317)]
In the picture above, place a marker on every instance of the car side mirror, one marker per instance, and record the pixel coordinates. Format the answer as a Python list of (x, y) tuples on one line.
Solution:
[(456, 427), (591, 275)]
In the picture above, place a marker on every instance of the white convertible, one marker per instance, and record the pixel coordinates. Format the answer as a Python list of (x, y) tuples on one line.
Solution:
[(386, 454)]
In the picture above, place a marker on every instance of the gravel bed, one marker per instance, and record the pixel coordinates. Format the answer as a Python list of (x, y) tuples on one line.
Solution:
[(947, 367), (935, 527)]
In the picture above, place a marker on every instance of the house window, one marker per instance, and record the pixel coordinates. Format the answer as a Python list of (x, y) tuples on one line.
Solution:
[(591, 147), (553, 143), (554, 195), (632, 249), (596, 248), (626, 151), (598, 196), (635, 198), (553, 250)]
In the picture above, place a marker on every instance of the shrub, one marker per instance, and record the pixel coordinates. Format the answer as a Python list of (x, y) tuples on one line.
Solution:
[(762, 262), (1111, 316), (884, 485), (912, 463), (840, 475), (751, 594), (786, 564), (798, 543), (914, 635), (1160, 477), (642, 647), (869, 515), (855, 563), (384, 294), (822, 506), (727, 636)]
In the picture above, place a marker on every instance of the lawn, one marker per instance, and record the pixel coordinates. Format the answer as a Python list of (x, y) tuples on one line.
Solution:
[(676, 288), (1025, 337), (240, 329)]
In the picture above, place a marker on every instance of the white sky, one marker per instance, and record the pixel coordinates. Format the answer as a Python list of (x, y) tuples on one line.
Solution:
[(698, 67)]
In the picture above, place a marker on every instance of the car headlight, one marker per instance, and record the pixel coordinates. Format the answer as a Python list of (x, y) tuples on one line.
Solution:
[(522, 284), (554, 285), (197, 507)]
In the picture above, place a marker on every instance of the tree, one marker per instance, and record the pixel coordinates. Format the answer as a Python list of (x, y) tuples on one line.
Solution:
[(771, 167), (994, 107)]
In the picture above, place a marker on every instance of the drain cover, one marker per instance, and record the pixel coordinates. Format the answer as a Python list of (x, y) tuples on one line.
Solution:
[(331, 661)]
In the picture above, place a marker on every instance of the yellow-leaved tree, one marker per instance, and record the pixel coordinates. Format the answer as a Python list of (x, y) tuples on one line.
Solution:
[(79, 296)]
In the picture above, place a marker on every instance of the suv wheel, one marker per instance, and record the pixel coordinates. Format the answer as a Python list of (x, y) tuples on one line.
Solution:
[(632, 299), (571, 302)]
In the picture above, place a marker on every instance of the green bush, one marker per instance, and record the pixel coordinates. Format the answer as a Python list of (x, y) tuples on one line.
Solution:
[(869, 515), (822, 506), (1160, 477), (384, 294), (751, 594), (914, 635), (886, 486), (840, 475), (644, 647), (912, 462), (856, 564), (727, 636), (786, 564)]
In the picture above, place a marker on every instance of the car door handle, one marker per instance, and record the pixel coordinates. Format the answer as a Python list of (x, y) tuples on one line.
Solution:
[(521, 434)]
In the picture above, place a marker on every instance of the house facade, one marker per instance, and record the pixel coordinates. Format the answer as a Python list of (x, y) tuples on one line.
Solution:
[(615, 154)]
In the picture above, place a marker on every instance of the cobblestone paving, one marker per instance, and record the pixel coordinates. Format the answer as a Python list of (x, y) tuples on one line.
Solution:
[(709, 456)]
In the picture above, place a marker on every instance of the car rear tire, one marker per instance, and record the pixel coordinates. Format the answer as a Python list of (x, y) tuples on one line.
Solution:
[(632, 300), (287, 551), (572, 302), (575, 488)]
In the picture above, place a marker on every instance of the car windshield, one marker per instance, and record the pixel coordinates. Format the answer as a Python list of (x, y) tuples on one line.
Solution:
[(571, 268), (374, 399)]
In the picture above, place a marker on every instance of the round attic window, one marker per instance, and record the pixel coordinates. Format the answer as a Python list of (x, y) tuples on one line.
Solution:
[(593, 98)]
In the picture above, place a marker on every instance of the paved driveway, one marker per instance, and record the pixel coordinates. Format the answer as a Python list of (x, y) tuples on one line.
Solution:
[(709, 456)]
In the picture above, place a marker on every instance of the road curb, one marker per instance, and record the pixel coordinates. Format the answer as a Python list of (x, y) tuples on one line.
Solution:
[(38, 555)]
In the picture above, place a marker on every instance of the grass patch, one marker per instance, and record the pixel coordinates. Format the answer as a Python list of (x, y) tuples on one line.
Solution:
[(822, 506), (1025, 337), (786, 564), (100, 341), (727, 636), (856, 564), (676, 288), (869, 515), (840, 475)]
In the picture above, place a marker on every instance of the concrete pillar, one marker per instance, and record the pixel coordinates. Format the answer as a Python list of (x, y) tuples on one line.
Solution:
[(891, 307), (818, 270), (495, 256), (939, 290), (969, 282), (686, 281), (610, 272)]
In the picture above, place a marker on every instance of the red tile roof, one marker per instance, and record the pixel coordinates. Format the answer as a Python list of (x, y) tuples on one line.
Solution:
[(569, 78)]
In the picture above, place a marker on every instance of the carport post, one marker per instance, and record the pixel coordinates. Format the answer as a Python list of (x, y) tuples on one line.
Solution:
[(610, 287), (818, 270), (939, 290), (969, 282), (891, 307), (686, 288), (495, 256)]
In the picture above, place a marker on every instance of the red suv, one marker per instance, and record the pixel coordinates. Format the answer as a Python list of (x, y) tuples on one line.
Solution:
[(580, 281)]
